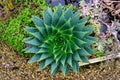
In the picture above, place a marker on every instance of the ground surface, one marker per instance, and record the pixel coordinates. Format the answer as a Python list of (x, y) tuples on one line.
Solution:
[(15, 67)]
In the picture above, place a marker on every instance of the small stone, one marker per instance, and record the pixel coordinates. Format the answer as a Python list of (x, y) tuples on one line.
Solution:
[(6, 65), (15, 68)]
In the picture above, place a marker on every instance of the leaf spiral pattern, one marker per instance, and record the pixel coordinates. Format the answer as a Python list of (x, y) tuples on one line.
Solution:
[(60, 40)]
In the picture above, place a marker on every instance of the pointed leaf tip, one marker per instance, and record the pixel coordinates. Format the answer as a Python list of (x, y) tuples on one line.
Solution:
[(35, 58)]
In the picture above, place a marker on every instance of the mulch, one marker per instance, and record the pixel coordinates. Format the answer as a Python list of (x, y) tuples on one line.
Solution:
[(15, 67)]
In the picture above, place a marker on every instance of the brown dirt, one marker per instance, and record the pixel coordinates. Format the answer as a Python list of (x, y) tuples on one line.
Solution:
[(15, 67)]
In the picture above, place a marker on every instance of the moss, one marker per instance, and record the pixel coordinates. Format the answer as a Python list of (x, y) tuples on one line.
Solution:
[(12, 32)]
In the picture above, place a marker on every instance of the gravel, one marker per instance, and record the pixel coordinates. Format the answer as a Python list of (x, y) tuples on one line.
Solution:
[(15, 67)]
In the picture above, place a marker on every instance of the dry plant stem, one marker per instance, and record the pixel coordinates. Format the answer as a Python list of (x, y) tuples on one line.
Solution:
[(117, 12), (100, 59), (107, 6)]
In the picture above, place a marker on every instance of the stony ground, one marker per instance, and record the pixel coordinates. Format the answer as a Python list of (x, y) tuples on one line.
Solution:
[(15, 67)]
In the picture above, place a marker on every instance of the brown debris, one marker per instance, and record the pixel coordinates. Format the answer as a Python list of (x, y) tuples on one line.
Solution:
[(109, 70), (113, 5)]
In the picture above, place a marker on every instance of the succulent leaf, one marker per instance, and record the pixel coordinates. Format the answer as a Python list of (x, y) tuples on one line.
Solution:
[(76, 56), (41, 66), (54, 67), (83, 20), (69, 61), (75, 18), (37, 21), (83, 52), (68, 13), (31, 49), (44, 56), (48, 61), (35, 58), (63, 59), (84, 59), (60, 40), (75, 67), (64, 69)]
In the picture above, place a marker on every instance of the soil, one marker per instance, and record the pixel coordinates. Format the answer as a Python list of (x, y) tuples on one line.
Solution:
[(15, 67)]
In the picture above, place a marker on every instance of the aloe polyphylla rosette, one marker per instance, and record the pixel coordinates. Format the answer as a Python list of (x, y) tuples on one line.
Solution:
[(60, 40)]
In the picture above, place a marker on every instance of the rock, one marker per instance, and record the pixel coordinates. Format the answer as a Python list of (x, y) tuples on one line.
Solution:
[(15, 68)]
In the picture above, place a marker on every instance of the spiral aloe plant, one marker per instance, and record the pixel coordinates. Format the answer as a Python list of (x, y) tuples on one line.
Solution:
[(60, 40)]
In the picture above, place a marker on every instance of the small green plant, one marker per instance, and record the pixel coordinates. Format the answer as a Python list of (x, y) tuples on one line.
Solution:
[(60, 40), (12, 30)]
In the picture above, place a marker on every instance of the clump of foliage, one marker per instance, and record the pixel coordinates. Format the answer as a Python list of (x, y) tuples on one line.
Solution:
[(12, 30), (60, 40)]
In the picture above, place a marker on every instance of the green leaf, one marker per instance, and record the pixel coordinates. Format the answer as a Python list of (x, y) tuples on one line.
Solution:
[(57, 14), (64, 69), (48, 29), (55, 72), (43, 50), (84, 20), (64, 48), (79, 42), (88, 41), (55, 18), (58, 58), (31, 49), (48, 61), (61, 21), (47, 18), (59, 10), (44, 45), (83, 52), (56, 54), (69, 60), (75, 67), (63, 59), (89, 50), (91, 38), (79, 26), (32, 41), (75, 46), (42, 31), (76, 56), (66, 25), (75, 18), (69, 49), (68, 13), (84, 59), (50, 11), (38, 36), (35, 58), (44, 56), (34, 32), (54, 67), (30, 29), (88, 29), (79, 34), (68, 31), (41, 66), (37, 21)]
